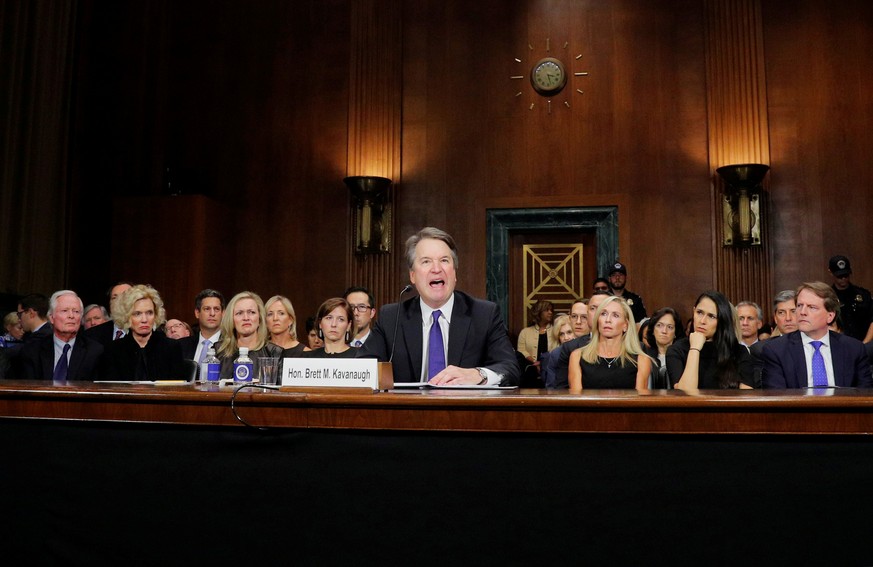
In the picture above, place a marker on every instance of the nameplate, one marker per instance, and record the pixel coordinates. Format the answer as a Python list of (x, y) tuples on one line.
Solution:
[(328, 373)]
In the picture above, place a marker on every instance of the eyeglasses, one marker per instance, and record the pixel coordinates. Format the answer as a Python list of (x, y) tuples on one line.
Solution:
[(361, 307), (20, 313), (601, 289)]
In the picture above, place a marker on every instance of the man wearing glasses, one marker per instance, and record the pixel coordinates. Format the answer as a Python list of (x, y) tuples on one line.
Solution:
[(364, 308), (33, 313)]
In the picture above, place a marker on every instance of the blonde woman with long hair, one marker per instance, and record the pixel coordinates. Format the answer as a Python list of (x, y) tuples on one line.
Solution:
[(244, 325), (614, 359)]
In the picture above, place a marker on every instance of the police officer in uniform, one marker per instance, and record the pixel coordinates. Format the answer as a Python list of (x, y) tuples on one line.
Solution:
[(856, 304), (617, 278)]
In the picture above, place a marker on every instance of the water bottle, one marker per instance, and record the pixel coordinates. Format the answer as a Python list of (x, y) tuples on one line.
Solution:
[(243, 367), (210, 368)]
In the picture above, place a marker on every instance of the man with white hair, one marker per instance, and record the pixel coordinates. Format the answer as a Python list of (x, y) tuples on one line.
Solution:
[(65, 355)]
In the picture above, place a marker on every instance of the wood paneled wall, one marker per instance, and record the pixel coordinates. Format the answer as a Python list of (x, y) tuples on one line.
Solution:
[(738, 133), (264, 107), (375, 116)]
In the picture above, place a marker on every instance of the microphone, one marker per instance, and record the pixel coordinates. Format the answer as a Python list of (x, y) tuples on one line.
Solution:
[(397, 320)]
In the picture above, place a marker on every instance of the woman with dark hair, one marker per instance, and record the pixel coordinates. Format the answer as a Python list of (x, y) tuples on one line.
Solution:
[(613, 358), (312, 339), (662, 330), (711, 357), (537, 340), (334, 322)]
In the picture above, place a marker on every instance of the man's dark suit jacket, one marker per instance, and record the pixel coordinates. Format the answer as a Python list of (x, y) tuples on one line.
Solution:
[(562, 366), (785, 363), (102, 333), (38, 359), (477, 339), (189, 346)]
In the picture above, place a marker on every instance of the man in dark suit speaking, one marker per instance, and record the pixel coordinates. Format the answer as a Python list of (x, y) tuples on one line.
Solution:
[(442, 336), (814, 356)]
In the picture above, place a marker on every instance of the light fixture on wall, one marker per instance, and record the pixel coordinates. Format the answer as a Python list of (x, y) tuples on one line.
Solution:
[(372, 213), (741, 205)]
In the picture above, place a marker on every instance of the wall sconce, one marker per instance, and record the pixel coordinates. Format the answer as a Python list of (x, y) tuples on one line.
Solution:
[(741, 205), (372, 213)]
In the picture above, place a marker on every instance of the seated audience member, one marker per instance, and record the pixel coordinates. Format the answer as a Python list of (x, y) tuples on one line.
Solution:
[(816, 357), (711, 357), (282, 324), (105, 333), (176, 329), (208, 309), (65, 355), (313, 341), (785, 316), (784, 313), (579, 318), (33, 313), (243, 325), (562, 332), (563, 364), (613, 358), (364, 307), (601, 284), (751, 319), (143, 353), (14, 331), (334, 320), (536, 340), (665, 326), (94, 315)]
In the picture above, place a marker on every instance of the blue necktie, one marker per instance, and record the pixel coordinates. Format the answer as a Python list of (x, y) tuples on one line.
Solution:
[(819, 374), (60, 374), (204, 350), (436, 355)]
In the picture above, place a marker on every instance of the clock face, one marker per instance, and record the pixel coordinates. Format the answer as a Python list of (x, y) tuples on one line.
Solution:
[(548, 76)]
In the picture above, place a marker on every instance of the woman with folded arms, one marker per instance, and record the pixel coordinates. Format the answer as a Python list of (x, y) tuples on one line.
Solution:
[(243, 325), (282, 324), (711, 357), (614, 358), (143, 353), (334, 322), (536, 340)]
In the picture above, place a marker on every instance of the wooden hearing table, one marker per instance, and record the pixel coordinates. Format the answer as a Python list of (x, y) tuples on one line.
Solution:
[(110, 474)]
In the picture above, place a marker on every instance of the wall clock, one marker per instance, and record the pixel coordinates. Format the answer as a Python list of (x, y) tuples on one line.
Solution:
[(549, 76)]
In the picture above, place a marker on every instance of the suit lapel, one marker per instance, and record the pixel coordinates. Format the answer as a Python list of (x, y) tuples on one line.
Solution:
[(460, 326), (76, 358), (47, 359), (411, 323), (842, 375), (799, 359)]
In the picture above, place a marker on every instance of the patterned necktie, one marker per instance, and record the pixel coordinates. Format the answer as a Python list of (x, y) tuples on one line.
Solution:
[(60, 374), (436, 354), (819, 373), (204, 350), (358, 344), (118, 334)]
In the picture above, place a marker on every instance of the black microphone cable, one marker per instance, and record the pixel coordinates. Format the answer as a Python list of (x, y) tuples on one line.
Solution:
[(233, 403)]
